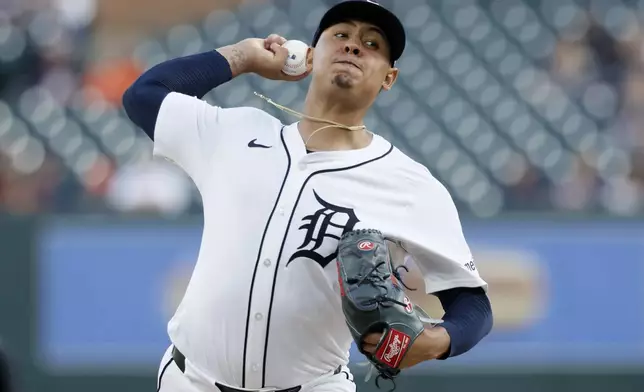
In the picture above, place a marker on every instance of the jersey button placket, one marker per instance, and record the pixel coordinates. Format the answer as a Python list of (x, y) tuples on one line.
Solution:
[(260, 305), (264, 280)]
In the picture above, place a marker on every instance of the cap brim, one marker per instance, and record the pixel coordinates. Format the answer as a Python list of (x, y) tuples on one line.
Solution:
[(368, 12)]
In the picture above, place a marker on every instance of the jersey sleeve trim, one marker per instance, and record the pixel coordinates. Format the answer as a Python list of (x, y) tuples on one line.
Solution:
[(433, 287)]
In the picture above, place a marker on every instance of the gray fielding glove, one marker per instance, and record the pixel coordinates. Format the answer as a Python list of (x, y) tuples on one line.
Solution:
[(373, 300)]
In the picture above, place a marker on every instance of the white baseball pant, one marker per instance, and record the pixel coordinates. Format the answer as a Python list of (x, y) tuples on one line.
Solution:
[(171, 379)]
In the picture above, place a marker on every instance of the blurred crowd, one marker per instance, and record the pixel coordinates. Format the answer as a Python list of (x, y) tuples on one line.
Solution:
[(46, 46), (603, 70), (46, 49)]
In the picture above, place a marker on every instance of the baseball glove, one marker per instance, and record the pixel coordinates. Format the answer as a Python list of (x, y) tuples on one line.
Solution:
[(373, 301)]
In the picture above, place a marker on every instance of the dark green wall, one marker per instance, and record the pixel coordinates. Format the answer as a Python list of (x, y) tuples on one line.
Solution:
[(451, 383), (515, 383)]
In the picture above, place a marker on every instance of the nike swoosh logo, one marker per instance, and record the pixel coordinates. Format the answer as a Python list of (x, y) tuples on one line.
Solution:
[(253, 144)]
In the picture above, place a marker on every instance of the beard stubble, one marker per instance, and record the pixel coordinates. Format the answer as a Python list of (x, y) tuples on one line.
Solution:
[(343, 81)]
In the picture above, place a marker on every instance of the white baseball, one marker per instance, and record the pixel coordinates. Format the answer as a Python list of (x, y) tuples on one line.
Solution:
[(296, 62)]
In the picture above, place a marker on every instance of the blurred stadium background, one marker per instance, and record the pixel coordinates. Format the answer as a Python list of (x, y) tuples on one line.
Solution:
[(530, 111)]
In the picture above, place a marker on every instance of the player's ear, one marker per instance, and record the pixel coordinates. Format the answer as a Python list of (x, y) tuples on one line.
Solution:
[(390, 79), (309, 60)]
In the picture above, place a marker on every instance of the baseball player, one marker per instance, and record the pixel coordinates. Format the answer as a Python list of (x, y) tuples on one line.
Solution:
[(262, 310)]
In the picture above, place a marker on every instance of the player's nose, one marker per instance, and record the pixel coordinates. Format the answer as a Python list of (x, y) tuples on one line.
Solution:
[(352, 48)]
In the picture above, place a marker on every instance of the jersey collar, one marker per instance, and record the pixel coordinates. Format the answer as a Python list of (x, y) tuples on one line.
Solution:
[(297, 149)]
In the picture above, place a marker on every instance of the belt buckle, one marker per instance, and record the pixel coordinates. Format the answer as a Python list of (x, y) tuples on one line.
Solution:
[(293, 389), (226, 388)]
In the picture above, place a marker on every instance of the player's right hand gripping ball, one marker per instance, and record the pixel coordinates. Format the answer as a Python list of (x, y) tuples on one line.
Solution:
[(374, 301), (296, 61)]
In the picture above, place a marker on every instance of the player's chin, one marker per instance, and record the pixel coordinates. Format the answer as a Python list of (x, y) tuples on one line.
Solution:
[(345, 80)]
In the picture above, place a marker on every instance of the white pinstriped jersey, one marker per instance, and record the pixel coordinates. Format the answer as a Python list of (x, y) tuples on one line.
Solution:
[(262, 308)]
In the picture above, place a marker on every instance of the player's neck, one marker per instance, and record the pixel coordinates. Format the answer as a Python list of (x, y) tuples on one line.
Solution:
[(333, 138)]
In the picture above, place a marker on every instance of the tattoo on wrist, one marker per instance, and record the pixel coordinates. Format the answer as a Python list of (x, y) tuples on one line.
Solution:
[(237, 59)]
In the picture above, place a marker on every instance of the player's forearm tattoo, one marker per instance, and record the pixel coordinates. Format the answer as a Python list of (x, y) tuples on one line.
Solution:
[(236, 57)]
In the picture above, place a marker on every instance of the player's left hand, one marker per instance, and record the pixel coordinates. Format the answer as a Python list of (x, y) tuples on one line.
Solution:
[(430, 344)]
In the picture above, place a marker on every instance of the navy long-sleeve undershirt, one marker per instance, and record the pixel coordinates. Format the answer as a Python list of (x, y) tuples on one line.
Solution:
[(468, 318), (193, 75)]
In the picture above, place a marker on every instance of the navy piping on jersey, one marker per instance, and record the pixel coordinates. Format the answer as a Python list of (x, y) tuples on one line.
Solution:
[(270, 308), (259, 254), (163, 372)]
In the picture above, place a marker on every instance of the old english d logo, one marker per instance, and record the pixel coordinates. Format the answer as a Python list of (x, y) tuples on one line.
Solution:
[(327, 223)]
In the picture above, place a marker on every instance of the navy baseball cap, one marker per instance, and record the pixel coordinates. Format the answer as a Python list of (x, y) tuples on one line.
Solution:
[(367, 11)]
